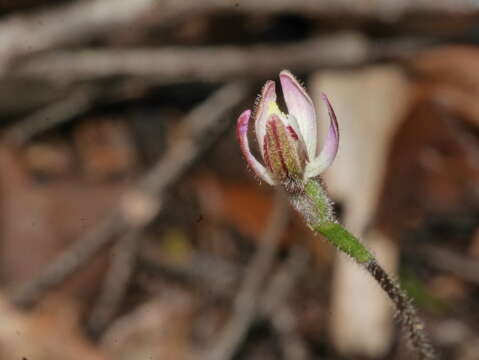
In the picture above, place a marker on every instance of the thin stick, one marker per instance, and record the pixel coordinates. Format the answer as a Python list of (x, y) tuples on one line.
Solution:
[(52, 115), (275, 307), (123, 259), (284, 280), (246, 302), (201, 270), (464, 267)]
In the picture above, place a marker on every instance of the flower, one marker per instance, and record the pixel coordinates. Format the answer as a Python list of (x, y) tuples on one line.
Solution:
[(288, 142)]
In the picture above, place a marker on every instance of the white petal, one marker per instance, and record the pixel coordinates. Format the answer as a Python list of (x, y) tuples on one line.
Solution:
[(242, 133), (330, 148), (301, 107), (291, 121), (268, 96)]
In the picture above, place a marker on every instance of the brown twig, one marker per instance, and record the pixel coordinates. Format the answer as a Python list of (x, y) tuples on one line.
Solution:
[(199, 128), (123, 259), (220, 278), (21, 35), (246, 302), (76, 102), (284, 280), (201, 270), (52, 115), (446, 260), (175, 64), (382, 9), (274, 307), (216, 63)]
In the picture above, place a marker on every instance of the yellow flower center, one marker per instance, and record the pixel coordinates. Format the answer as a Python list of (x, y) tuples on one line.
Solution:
[(274, 109)]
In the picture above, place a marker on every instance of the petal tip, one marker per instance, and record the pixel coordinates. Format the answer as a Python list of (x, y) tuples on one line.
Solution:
[(332, 114), (268, 90), (260, 115), (268, 94), (325, 99), (286, 72), (286, 76), (243, 120)]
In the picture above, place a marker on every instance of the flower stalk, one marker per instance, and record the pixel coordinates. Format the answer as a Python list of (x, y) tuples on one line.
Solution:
[(322, 222), (288, 147)]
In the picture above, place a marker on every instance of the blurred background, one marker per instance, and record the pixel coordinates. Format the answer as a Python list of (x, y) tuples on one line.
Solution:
[(132, 229)]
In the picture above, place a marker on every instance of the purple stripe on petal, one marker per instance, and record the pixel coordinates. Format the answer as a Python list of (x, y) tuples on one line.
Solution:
[(292, 132), (330, 148), (242, 133), (279, 145)]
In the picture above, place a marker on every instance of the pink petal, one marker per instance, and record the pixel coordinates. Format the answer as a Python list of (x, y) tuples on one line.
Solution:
[(301, 107), (268, 94), (242, 133), (330, 148)]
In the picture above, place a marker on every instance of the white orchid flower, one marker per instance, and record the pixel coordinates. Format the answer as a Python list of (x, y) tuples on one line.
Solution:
[(288, 142)]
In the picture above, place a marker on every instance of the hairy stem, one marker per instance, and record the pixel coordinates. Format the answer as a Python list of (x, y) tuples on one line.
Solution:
[(406, 310), (315, 206)]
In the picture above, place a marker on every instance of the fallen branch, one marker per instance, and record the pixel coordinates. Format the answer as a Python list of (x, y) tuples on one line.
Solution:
[(21, 35), (200, 127)]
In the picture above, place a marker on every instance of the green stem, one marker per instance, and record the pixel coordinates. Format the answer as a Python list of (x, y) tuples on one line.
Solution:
[(344, 241), (315, 206)]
